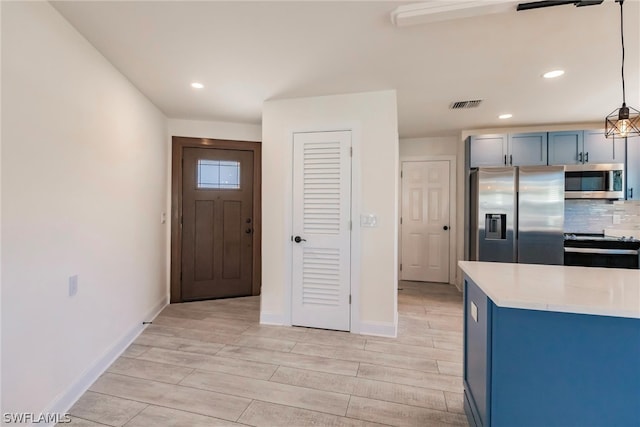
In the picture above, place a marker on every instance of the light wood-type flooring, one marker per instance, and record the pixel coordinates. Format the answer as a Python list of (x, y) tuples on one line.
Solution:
[(211, 363)]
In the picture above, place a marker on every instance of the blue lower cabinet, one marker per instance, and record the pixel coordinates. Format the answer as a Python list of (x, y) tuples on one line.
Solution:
[(471, 412), (543, 368), (477, 319)]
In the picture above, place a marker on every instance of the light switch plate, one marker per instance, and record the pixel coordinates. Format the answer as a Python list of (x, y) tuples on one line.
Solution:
[(73, 285), (474, 311), (368, 220)]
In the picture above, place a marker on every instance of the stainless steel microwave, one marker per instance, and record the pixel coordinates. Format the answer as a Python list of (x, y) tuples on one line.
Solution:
[(594, 181)]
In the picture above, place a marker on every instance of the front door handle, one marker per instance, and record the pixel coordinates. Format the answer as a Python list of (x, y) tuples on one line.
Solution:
[(299, 239)]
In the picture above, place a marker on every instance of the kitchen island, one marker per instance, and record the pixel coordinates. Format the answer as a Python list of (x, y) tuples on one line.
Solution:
[(551, 345)]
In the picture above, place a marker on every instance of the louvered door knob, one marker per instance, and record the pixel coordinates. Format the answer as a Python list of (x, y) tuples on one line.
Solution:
[(299, 239)]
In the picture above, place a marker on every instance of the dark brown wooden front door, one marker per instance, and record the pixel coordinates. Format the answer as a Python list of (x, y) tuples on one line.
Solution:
[(217, 223)]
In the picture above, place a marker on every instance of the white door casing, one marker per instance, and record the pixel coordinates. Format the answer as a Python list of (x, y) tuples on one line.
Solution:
[(321, 259), (425, 221)]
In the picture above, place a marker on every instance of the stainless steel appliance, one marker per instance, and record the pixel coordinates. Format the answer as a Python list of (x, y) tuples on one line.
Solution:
[(517, 214), (589, 250), (594, 181)]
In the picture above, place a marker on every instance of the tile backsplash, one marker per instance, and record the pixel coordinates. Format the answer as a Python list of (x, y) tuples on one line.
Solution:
[(594, 216)]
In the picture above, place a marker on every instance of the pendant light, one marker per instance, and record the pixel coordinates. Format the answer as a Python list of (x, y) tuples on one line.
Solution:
[(625, 121)]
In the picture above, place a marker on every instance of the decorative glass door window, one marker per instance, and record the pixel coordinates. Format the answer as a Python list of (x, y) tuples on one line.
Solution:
[(218, 174)]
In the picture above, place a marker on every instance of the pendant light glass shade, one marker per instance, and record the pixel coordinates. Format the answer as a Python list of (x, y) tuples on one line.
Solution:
[(625, 121), (622, 123)]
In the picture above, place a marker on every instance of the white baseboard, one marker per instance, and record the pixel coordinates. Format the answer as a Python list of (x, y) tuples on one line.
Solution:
[(65, 401), (267, 318), (355, 327), (380, 329)]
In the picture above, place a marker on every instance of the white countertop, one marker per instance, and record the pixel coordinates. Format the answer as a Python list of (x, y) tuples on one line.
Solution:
[(584, 290)]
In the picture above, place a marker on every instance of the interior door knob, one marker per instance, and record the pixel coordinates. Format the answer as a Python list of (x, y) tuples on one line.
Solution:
[(445, 228), (299, 239)]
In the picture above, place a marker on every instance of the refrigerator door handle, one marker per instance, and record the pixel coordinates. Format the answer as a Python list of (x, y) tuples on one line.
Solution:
[(505, 159), (517, 218)]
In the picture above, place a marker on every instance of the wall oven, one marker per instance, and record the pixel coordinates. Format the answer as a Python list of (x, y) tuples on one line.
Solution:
[(594, 181), (601, 251)]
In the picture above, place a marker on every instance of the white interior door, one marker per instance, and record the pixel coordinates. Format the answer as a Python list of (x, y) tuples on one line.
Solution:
[(425, 221), (321, 276)]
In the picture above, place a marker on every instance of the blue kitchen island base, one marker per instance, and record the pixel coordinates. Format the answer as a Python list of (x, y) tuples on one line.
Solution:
[(540, 368)]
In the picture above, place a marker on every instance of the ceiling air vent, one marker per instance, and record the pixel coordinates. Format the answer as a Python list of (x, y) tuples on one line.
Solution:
[(465, 104)]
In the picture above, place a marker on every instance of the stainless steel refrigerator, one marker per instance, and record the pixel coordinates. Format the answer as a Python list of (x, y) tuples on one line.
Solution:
[(517, 214)]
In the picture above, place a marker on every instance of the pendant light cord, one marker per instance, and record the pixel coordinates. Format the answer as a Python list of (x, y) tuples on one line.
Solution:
[(622, 39)]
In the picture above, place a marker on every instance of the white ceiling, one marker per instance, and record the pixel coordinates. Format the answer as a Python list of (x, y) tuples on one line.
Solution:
[(248, 52)]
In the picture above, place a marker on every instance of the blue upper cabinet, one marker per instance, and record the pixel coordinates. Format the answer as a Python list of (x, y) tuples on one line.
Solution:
[(527, 149), (598, 149), (542, 148), (583, 147), (523, 149), (565, 148), (488, 150)]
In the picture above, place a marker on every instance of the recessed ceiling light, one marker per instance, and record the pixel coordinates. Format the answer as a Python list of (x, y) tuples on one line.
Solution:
[(553, 74), (505, 116), (197, 85)]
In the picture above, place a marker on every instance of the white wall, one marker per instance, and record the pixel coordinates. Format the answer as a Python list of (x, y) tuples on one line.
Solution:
[(215, 130), (432, 146), (83, 187), (0, 216), (373, 118)]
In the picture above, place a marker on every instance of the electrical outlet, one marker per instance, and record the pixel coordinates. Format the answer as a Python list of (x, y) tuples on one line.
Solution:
[(73, 285)]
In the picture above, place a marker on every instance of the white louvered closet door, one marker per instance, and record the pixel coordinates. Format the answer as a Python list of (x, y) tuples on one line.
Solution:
[(321, 214)]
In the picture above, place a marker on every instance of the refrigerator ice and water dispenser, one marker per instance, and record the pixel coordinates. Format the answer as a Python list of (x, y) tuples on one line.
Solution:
[(495, 226)]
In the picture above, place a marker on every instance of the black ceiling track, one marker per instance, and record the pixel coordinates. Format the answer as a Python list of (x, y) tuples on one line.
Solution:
[(549, 3)]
